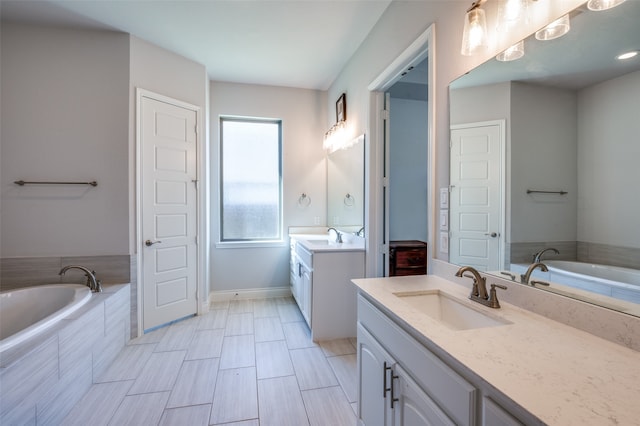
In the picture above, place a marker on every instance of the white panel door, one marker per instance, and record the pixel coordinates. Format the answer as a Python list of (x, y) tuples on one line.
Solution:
[(169, 212), (476, 203)]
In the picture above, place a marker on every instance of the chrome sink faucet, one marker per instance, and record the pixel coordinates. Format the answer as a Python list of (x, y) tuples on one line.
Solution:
[(479, 290), (537, 257), (338, 235), (92, 282), (524, 278)]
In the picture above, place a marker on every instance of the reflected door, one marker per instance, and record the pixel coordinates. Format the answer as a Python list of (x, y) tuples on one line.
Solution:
[(169, 255), (476, 203)]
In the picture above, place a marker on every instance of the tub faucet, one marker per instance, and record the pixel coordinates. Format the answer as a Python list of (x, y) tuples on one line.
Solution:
[(92, 282), (537, 257), (524, 278), (338, 235)]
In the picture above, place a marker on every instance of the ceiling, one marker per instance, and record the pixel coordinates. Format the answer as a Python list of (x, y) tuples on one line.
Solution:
[(296, 43)]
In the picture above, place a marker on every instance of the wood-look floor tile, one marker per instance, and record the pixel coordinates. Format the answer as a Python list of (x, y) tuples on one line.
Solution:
[(221, 304), (268, 329), (236, 396), (298, 335), (254, 422), (289, 313), (345, 369), (337, 347), (237, 352), (328, 407), (178, 337), (281, 403), (238, 324), (272, 359), (98, 405), (240, 306), (205, 344), (263, 308), (160, 372), (289, 300), (128, 364), (196, 415), (195, 383), (216, 318), (312, 369), (136, 410)]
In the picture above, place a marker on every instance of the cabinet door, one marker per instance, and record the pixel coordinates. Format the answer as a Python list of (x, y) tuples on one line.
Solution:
[(306, 283), (374, 380), (494, 415), (412, 406)]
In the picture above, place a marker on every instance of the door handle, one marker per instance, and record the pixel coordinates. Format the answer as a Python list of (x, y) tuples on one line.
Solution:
[(149, 243), (492, 234)]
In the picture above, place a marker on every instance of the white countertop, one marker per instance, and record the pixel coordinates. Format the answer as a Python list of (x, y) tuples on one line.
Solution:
[(322, 243), (560, 374)]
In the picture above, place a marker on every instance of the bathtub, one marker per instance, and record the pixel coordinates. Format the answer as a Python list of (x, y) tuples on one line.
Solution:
[(27, 311), (613, 281)]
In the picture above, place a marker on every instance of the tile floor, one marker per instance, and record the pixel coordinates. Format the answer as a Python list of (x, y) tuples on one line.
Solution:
[(247, 362)]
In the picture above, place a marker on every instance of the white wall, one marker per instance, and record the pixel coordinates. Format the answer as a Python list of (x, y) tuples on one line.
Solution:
[(399, 26), (65, 117), (408, 170), (303, 113), (543, 157), (608, 153)]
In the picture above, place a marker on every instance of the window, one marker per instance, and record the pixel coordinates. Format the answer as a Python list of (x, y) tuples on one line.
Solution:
[(251, 179)]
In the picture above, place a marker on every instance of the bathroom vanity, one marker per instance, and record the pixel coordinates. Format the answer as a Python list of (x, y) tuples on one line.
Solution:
[(429, 355), (321, 273)]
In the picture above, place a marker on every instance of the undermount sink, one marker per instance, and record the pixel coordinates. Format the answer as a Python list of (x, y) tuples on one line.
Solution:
[(320, 242), (452, 313)]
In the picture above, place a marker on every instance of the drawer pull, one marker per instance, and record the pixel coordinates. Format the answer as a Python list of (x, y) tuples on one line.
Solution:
[(385, 389)]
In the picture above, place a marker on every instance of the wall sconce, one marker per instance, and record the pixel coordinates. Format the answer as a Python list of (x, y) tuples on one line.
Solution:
[(599, 5), (474, 36), (556, 29), (335, 137), (511, 54)]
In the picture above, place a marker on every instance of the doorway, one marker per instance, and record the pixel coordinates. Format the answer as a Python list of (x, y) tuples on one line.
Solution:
[(167, 209), (400, 202)]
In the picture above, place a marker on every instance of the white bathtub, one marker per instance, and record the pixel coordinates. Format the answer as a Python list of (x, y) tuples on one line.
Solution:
[(612, 281), (27, 311)]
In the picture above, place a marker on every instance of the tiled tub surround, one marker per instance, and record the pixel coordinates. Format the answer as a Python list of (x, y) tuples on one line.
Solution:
[(586, 252), (42, 379), (558, 374), (19, 272)]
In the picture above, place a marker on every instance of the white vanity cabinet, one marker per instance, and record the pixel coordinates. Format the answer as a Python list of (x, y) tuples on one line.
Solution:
[(321, 284)]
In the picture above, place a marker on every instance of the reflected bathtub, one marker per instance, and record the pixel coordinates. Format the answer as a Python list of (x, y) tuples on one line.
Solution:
[(25, 312), (613, 281)]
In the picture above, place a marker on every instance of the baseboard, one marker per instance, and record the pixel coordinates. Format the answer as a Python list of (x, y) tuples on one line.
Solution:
[(252, 293)]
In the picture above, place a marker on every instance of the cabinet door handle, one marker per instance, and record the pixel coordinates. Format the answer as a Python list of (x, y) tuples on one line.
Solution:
[(385, 389), (393, 398)]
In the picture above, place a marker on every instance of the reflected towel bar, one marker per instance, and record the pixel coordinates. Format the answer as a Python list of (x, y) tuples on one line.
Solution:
[(531, 191), (23, 183)]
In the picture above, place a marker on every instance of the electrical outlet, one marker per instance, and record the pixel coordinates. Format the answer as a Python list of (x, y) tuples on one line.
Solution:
[(444, 242), (316, 220)]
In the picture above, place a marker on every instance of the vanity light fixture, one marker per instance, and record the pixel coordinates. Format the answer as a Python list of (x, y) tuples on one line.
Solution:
[(627, 55), (511, 54), (511, 13), (474, 36), (556, 29), (599, 5)]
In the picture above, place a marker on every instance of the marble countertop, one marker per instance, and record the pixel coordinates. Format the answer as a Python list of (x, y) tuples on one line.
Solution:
[(561, 375), (322, 243)]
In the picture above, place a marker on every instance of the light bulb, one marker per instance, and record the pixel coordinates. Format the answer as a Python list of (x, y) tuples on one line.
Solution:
[(511, 13), (475, 30), (599, 5)]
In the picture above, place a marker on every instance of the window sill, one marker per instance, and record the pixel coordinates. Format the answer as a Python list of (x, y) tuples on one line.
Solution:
[(251, 244)]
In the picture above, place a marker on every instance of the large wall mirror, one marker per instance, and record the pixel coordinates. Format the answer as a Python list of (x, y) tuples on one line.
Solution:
[(345, 187), (546, 155)]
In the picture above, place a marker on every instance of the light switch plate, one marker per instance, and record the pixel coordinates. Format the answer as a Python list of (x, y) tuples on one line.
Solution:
[(444, 220), (444, 198), (444, 242)]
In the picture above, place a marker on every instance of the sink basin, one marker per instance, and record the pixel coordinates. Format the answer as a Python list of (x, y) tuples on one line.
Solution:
[(451, 312), (320, 242)]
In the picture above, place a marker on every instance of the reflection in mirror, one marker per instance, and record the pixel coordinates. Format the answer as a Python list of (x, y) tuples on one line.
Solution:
[(570, 110), (345, 187)]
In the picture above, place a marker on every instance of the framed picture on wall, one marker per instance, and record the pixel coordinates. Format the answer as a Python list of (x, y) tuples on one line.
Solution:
[(341, 108)]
